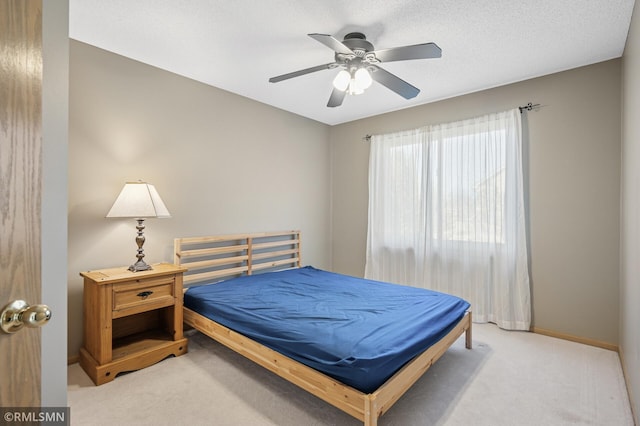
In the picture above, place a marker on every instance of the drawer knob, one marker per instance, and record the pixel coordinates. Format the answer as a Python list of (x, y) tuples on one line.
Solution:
[(144, 294)]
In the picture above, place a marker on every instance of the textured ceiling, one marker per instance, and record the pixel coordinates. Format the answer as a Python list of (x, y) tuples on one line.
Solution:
[(238, 45)]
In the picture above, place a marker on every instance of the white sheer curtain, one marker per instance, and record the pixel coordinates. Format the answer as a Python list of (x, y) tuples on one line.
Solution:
[(446, 212)]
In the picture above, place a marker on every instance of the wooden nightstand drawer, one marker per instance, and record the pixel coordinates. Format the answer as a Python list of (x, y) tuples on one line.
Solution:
[(142, 296)]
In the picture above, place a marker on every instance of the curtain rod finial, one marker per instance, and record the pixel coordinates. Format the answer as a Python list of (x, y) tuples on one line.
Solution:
[(528, 107)]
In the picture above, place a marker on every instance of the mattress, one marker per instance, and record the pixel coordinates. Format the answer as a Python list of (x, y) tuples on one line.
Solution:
[(357, 331)]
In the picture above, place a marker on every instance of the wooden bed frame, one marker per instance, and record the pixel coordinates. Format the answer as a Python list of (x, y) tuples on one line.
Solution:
[(212, 258)]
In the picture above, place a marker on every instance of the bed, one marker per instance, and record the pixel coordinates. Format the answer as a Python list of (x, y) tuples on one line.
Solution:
[(261, 293)]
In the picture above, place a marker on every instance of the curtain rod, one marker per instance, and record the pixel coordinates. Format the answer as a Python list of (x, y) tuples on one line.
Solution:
[(528, 107)]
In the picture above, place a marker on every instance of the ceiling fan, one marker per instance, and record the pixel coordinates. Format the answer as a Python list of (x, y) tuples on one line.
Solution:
[(359, 64)]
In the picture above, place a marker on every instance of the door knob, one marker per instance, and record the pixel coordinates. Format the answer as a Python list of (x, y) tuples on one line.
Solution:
[(18, 314)]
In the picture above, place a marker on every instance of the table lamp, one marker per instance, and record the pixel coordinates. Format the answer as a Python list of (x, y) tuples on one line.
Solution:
[(139, 200)]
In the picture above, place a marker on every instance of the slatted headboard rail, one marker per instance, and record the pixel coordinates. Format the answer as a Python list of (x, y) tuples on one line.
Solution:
[(225, 256)]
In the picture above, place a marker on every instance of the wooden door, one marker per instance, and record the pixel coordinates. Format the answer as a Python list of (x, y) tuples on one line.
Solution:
[(20, 192)]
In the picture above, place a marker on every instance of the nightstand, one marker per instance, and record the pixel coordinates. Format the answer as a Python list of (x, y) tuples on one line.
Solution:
[(131, 319)]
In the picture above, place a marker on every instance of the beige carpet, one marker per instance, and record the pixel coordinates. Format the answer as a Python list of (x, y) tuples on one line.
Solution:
[(509, 378)]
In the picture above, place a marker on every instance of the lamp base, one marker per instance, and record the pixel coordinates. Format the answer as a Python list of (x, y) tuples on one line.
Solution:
[(139, 266)]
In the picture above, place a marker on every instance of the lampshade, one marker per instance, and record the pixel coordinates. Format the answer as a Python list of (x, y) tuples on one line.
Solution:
[(138, 200)]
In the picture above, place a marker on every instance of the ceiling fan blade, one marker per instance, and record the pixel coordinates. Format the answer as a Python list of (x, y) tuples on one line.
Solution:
[(404, 53), (301, 72), (394, 83), (331, 43), (336, 98)]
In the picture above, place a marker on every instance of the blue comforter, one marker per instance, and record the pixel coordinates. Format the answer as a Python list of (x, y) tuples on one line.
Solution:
[(360, 332)]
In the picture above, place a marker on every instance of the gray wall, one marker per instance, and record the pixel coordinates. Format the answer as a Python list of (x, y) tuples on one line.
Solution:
[(222, 164), (630, 229), (574, 175), (55, 119)]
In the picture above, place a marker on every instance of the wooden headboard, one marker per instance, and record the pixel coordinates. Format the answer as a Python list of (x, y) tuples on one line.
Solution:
[(214, 258)]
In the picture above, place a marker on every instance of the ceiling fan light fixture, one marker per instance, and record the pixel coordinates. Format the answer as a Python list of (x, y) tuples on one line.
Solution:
[(354, 88), (357, 59), (363, 78), (360, 80), (342, 80)]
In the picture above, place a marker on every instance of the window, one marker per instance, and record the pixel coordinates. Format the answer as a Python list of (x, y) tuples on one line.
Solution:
[(468, 185), (446, 211)]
